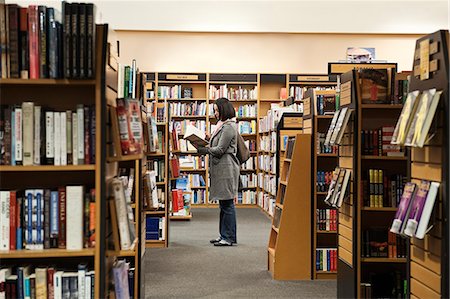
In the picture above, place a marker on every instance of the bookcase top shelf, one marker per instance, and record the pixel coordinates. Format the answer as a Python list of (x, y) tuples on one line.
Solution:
[(232, 83), (51, 82), (381, 106), (46, 253), (384, 158), (9, 168), (382, 260)]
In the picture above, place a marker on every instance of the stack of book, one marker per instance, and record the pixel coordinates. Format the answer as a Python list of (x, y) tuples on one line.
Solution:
[(380, 190), (170, 92), (246, 111), (326, 220), (248, 180), (326, 259), (323, 180), (36, 44), (34, 135), (37, 219), (249, 164), (181, 126), (247, 127), (297, 92), (199, 196), (232, 93), (129, 119), (325, 149), (246, 197), (47, 282), (188, 109), (159, 167)]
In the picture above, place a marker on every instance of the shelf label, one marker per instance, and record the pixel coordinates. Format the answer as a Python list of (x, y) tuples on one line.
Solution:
[(181, 77), (434, 48), (307, 106), (312, 78), (425, 59), (434, 65), (346, 93)]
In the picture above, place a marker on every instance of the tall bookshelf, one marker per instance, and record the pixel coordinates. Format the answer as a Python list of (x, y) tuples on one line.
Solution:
[(324, 161), (48, 93), (428, 262), (289, 249), (298, 84), (361, 218)]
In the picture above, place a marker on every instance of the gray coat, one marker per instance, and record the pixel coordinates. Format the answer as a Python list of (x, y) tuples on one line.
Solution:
[(223, 164)]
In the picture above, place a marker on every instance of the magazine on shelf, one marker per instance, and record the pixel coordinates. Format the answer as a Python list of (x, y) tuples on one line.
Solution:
[(404, 121)]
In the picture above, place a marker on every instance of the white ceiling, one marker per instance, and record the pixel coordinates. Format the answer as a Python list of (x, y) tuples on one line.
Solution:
[(305, 16)]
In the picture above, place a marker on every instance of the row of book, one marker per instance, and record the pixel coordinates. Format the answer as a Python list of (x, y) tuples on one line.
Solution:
[(401, 88), (126, 80), (323, 180), (249, 180), (155, 228), (378, 142), (174, 92), (161, 113), (181, 202), (380, 243), (36, 44), (251, 144), (385, 284), (267, 182), (37, 219), (233, 93), (247, 127), (247, 197), (129, 120), (188, 109), (326, 259), (266, 202), (153, 139), (381, 190), (33, 135), (181, 126), (325, 149), (337, 127), (196, 180), (415, 209), (199, 196), (325, 104), (157, 165), (290, 147), (268, 143), (250, 164), (267, 163), (192, 162), (416, 118), (271, 120), (297, 92), (123, 275), (47, 282), (326, 219), (338, 187), (246, 111)]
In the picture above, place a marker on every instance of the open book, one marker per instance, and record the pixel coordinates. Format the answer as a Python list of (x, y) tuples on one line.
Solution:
[(195, 136)]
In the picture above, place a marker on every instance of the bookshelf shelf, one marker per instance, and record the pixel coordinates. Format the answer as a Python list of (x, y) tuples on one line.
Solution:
[(199, 187), (247, 170), (49, 82), (46, 253), (165, 82), (275, 229), (384, 158), (248, 135), (192, 170), (271, 100), (382, 260), (381, 106), (232, 83), (327, 155), (279, 205), (249, 188), (47, 168), (321, 193), (382, 209), (189, 217), (186, 100), (325, 117), (155, 212), (326, 272), (156, 155), (124, 158), (121, 253), (188, 116), (326, 232)]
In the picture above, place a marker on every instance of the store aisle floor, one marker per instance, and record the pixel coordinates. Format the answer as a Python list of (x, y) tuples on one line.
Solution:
[(193, 268)]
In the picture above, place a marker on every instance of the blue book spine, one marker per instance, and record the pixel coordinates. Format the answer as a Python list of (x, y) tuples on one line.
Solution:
[(39, 220), (29, 217), (20, 292), (13, 140), (19, 230), (328, 260), (27, 287), (317, 260), (54, 214)]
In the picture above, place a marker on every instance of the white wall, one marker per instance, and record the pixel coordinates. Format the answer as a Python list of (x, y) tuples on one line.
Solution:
[(325, 16), (254, 52)]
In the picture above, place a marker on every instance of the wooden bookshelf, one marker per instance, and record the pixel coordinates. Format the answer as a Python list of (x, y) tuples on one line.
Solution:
[(316, 124), (45, 168), (289, 250)]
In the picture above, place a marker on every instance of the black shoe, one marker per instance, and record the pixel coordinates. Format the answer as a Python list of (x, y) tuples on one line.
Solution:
[(215, 240), (223, 243)]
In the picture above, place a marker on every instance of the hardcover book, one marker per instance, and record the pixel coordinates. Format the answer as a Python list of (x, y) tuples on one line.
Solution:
[(417, 207), (404, 121), (425, 213), (374, 85), (195, 136), (399, 223)]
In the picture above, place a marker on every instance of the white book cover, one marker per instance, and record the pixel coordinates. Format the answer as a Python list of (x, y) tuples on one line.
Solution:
[(343, 127), (87, 287), (28, 140), (4, 220), (75, 139), (63, 136), (4, 273), (121, 80), (422, 227), (49, 135), (421, 133), (81, 283), (74, 217), (69, 138), (18, 135), (343, 190), (121, 211), (331, 128), (57, 134), (57, 284), (37, 135), (80, 116)]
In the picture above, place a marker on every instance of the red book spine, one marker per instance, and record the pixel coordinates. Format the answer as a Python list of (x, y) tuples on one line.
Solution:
[(12, 220), (123, 124), (62, 218), (33, 18), (50, 283)]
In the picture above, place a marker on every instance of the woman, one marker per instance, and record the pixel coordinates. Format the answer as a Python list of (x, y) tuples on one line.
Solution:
[(224, 170)]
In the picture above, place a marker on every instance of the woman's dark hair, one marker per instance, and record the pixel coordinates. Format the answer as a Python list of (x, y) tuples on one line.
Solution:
[(226, 109)]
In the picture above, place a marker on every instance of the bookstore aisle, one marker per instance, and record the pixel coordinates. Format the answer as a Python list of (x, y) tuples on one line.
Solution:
[(192, 268)]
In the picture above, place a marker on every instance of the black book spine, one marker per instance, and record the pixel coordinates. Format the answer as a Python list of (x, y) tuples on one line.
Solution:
[(13, 40), (90, 29), (60, 49), (93, 133), (75, 41), (43, 53), (67, 44), (82, 39), (52, 44), (23, 36)]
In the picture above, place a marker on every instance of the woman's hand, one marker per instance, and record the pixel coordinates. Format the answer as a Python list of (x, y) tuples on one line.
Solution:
[(202, 150), (207, 136)]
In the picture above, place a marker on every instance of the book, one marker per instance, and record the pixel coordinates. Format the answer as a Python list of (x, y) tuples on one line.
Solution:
[(340, 116), (118, 193), (120, 272), (424, 215), (374, 85), (341, 127), (404, 121), (195, 136), (343, 189), (74, 217), (399, 223), (418, 202)]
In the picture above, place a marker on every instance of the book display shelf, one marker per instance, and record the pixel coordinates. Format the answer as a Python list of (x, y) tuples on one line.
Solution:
[(429, 257), (377, 175), (289, 250), (298, 84), (318, 111), (88, 177)]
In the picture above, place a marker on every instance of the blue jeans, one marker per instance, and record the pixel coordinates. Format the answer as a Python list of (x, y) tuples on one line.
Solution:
[(227, 224)]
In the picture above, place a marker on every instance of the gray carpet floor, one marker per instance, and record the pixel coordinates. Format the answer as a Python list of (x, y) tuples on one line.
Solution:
[(192, 268)]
